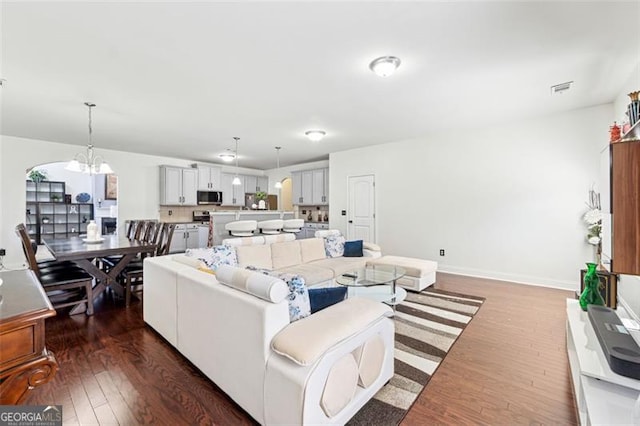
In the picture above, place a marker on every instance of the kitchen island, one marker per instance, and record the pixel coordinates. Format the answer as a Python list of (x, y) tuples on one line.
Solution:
[(220, 218)]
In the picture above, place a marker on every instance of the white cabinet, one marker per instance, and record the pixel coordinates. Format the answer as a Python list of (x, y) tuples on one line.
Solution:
[(208, 178), (250, 184), (253, 184), (178, 186), (310, 187), (263, 184), (232, 195), (185, 236), (320, 186)]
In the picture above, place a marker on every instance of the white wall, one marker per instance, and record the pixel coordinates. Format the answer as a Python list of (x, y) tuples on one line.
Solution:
[(629, 286), (504, 202), (138, 183)]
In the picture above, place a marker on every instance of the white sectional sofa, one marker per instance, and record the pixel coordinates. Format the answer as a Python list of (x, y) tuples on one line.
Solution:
[(318, 370), (306, 257)]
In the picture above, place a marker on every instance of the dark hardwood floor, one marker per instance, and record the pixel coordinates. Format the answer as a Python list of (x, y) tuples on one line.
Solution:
[(508, 367)]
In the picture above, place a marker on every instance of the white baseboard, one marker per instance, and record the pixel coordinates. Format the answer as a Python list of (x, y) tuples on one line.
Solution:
[(514, 278)]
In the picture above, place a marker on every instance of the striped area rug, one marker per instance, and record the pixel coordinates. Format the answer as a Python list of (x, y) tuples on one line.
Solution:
[(427, 325)]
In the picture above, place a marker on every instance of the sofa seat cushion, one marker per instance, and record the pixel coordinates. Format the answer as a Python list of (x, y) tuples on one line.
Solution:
[(417, 268), (258, 256), (340, 265), (312, 274), (285, 254), (305, 341)]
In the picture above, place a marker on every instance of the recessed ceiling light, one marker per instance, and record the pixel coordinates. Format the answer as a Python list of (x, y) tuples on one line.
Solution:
[(315, 135), (227, 156), (385, 65)]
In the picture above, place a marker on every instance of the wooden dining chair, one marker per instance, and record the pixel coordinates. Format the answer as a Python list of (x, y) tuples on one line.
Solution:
[(61, 282), (133, 275)]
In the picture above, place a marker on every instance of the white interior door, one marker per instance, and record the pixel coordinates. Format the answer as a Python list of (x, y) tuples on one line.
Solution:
[(361, 214)]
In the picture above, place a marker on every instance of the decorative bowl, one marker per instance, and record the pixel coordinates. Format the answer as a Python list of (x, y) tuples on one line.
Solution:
[(83, 197)]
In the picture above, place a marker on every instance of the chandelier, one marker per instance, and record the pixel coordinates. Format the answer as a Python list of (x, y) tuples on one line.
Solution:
[(89, 163)]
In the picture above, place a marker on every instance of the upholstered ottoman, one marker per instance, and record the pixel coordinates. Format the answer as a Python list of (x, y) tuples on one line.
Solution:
[(420, 273)]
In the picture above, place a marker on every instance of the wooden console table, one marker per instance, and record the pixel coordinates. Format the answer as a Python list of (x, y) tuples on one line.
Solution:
[(24, 361)]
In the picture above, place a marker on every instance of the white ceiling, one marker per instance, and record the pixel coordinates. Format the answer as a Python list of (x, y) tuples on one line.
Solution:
[(181, 79)]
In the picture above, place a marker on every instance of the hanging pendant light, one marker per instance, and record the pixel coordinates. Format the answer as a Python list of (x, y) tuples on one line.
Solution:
[(236, 180), (89, 163), (278, 184)]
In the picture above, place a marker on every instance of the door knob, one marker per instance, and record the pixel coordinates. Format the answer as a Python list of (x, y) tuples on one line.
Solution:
[(350, 221)]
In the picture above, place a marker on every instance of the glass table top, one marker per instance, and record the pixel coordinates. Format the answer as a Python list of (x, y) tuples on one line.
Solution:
[(371, 276)]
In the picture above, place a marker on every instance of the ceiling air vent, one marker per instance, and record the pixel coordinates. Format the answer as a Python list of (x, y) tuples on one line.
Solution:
[(561, 88)]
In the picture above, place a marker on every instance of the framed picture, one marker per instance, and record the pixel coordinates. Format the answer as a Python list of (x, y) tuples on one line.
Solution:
[(110, 187), (608, 287)]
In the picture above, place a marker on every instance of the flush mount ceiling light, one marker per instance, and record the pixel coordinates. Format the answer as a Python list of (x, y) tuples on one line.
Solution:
[(89, 163), (278, 184), (315, 135), (236, 180), (227, 156), (385, 65)]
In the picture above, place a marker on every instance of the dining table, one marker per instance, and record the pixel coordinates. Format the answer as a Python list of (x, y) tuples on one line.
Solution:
[(84, 253)]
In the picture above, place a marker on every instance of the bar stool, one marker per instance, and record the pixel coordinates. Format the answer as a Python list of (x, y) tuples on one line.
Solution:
[(242, 228), (293, 225), (270, 226)]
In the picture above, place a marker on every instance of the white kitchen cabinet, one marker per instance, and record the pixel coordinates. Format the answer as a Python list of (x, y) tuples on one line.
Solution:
[(185, 236), (250, 184), (232, 195), (320, 186), (310, 187), (208, 178), (263, 184), (178, 186)]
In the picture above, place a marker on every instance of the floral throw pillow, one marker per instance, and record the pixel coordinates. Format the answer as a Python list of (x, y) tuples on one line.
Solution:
[(215, 256), (334, 245), (299, 304)]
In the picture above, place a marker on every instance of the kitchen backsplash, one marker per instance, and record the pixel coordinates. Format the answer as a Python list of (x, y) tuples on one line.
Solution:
[(318, 213)]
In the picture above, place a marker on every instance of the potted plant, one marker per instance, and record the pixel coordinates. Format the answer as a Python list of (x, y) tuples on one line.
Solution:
[(261, 196), (37, 175)]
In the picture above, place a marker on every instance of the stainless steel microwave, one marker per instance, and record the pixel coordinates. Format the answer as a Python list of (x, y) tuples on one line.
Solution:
[(210, 197)]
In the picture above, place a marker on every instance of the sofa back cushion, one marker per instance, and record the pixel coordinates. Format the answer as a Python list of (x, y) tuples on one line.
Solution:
[(285, 254), (257, 255), (243, 241), (312, 249), (214, 256), (280, 238)]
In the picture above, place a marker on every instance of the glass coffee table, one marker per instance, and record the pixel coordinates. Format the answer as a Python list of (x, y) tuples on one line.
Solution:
[(376, 282)]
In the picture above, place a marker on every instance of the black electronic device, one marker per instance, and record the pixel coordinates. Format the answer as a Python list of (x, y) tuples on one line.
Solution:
[(620, 349)]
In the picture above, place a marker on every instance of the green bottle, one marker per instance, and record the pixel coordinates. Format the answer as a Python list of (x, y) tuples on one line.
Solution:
[(591, 294)]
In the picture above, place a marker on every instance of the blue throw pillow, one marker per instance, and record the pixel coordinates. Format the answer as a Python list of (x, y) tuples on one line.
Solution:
[(353, 248), (321, 298)]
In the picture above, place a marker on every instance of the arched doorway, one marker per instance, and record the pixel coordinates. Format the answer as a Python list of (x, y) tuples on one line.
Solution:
[(60, 203), (286, 203)]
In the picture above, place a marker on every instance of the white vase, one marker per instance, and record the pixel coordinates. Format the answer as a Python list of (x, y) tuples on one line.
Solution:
[(262, 205), (92, 230)]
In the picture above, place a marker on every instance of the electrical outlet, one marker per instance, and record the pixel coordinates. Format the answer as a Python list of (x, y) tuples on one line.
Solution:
[(170, 212), (3, 252), (441, 252)]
